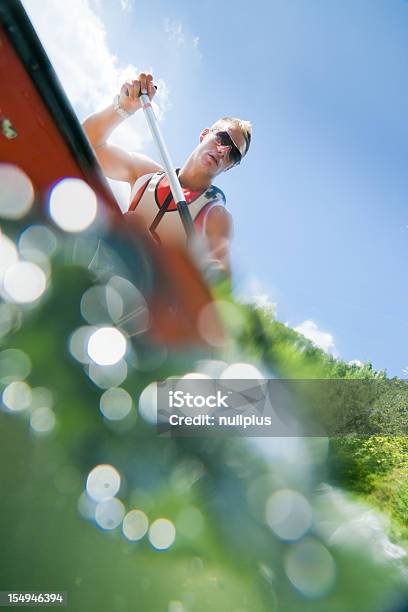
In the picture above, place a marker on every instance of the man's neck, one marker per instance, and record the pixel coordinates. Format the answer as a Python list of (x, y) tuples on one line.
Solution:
[(189, 179)]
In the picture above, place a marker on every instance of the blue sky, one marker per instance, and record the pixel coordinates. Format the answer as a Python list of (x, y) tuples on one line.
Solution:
[(319, 204)]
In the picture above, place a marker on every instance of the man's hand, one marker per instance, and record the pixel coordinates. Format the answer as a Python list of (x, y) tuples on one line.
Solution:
[(131, 102)]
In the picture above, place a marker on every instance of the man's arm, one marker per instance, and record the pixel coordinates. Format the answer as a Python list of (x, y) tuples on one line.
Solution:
[(219, 234), (117, 163)]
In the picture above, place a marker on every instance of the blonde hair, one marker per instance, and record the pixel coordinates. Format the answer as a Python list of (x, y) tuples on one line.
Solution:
[(245, 127)]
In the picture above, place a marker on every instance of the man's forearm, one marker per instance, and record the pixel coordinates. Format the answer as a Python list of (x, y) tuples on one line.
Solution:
[(99, 126)]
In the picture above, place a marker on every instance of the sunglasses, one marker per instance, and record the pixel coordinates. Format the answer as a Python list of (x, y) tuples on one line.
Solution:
[(223, 139)]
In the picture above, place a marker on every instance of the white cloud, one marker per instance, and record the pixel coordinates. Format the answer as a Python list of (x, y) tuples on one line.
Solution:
[(75, 40), (126, 5), (356, 362), (262, 300), (180, 35), (175, 32), (253, 292), (321, 339)]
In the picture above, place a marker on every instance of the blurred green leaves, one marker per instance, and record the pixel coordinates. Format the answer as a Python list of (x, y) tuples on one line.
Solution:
[(237, 540)]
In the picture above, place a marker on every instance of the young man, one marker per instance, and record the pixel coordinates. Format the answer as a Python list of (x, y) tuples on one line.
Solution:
[(221, 147)]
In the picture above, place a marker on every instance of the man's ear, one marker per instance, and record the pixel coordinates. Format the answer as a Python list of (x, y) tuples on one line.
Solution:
[(204, 134)]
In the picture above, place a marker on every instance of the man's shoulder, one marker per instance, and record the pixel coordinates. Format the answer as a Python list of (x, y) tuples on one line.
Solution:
[(215, 194)]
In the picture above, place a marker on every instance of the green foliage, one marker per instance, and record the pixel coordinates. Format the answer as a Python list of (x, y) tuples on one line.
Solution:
[(359, 462), (373, 466), (291, 355), (215, 491)]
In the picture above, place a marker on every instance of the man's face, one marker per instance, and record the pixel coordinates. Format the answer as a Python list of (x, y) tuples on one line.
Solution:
[(214, 156)]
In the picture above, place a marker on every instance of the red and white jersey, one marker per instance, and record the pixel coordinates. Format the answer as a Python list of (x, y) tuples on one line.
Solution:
[(150, 192)]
